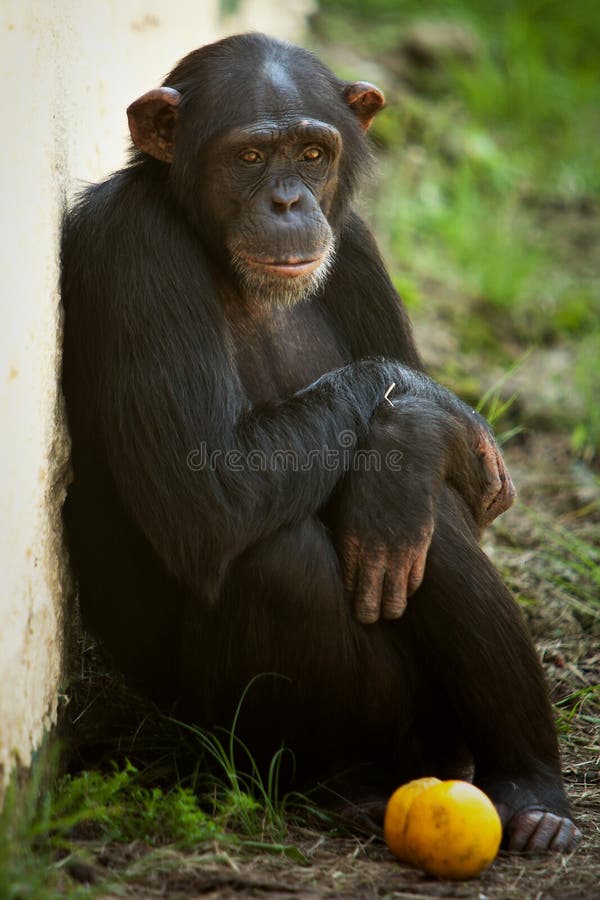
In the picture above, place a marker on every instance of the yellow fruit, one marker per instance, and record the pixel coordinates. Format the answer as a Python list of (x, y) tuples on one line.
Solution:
[(394, 823), (451, 829)]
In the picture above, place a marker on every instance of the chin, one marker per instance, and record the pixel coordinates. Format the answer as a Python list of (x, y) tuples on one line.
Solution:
[(282, 284)]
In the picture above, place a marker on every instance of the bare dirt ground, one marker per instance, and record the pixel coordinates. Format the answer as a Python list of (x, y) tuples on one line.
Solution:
[(557, 496)]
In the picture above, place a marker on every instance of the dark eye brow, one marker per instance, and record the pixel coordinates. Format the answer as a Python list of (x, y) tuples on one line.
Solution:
[(265, 133), (317, 132)]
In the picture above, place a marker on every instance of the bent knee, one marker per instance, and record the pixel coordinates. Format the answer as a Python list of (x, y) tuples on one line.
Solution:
[(298, 564)]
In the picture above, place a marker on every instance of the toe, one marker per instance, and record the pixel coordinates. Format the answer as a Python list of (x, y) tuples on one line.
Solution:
[(521, 828), (536, 830), (566, 838)]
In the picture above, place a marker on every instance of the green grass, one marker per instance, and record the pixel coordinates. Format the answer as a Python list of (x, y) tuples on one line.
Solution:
[(44, 822), (567, 563), (496, 408), (586, 436), (242, 797), (224, 806), (573, 566), (582, 706), (35, 822)]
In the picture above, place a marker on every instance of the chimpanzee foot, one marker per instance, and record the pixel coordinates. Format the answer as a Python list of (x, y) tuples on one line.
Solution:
[(364, 816), (533, 830), (355, 794)]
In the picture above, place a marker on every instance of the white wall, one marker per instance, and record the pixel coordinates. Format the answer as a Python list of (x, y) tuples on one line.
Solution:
[(68, 70)]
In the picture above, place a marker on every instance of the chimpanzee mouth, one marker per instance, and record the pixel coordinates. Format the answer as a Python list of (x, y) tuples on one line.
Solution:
[(285, 280), (287, 268)]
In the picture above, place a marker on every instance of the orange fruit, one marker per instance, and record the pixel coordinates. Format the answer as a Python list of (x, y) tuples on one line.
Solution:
[(451, 829), (394, 823)]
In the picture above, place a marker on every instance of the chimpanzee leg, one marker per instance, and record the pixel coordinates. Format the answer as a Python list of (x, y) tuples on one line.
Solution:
[(126, 597), (473, 643), (329, 688)]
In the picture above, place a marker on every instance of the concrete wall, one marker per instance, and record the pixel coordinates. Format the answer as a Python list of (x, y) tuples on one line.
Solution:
[(68, 69)]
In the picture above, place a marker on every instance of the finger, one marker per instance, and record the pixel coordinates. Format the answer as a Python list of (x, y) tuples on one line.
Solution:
[(505, 497), (417, 571), (393, 595), (486, 451), (566, 838), (367, 596), (522, 827), (545, 832), (508, 493), (500, 491), (350, 557)]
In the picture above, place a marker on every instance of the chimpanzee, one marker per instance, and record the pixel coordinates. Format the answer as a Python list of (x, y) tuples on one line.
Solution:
[(263, 472)]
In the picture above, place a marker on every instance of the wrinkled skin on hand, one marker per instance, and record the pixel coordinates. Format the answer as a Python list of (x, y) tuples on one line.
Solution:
[(382, 575), (388, 505)]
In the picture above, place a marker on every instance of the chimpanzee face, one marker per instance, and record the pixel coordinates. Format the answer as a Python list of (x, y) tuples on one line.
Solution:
[(270, 187)]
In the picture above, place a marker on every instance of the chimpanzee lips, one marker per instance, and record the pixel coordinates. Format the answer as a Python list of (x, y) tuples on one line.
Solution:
[(291, 267)]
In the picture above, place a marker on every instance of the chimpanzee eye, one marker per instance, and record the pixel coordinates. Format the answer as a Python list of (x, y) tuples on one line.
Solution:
[(312, 154), (251, 156)]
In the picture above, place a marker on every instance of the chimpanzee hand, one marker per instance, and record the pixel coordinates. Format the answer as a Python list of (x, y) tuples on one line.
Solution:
[(475, 467), (388, 502), (382, 569), (387, 507)]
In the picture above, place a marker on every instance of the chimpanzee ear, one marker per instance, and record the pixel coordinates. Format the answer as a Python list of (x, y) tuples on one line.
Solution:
[(365, 100), (153, 120)]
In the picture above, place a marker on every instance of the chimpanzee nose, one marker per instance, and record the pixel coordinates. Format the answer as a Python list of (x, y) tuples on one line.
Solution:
[(284, 197)]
